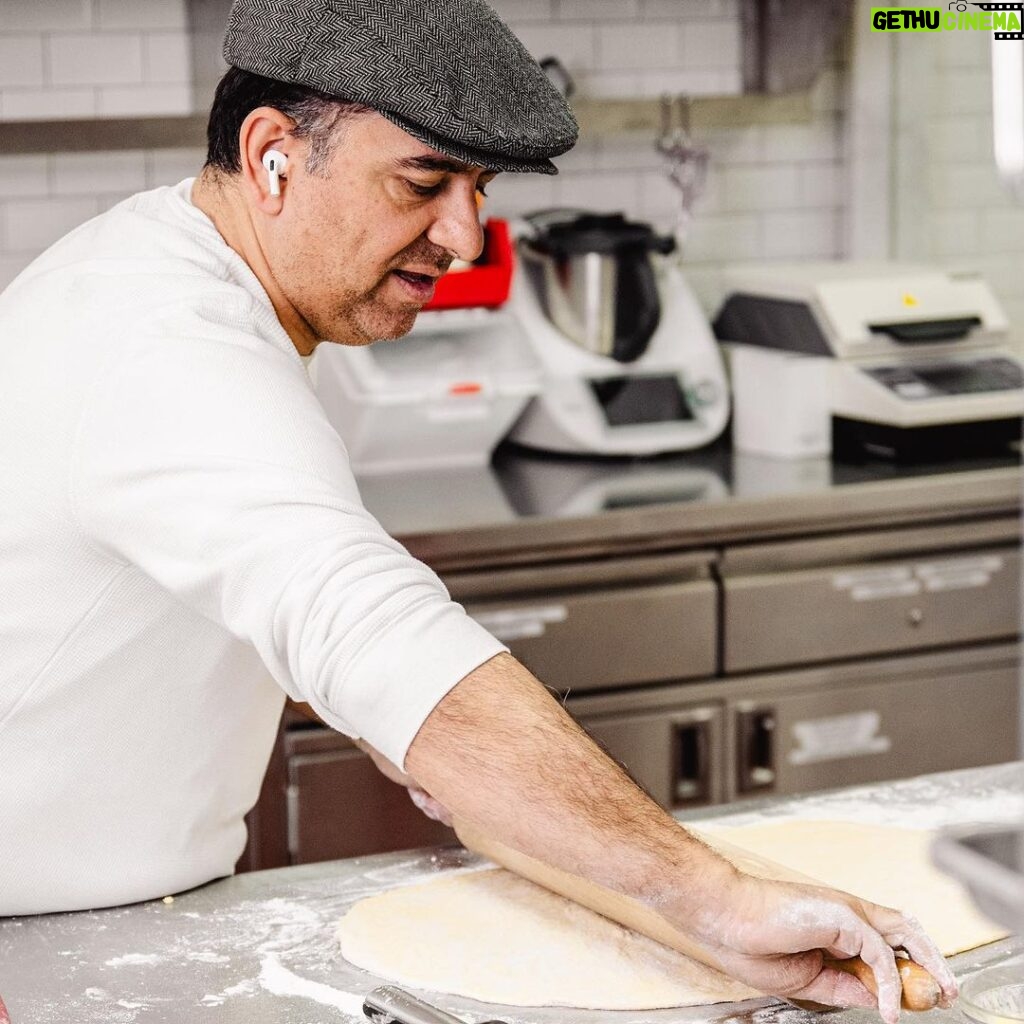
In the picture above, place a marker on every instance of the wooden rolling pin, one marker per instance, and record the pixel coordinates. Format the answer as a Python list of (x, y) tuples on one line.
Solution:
[(920, 990)]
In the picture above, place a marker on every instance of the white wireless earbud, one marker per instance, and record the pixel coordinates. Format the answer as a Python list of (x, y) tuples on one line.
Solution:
[(275, 162)]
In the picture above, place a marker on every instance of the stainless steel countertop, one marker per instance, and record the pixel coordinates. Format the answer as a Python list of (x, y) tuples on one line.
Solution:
[(527, 507), (260, 947)]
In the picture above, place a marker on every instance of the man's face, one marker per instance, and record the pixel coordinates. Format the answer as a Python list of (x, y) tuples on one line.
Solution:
[(358, 247)]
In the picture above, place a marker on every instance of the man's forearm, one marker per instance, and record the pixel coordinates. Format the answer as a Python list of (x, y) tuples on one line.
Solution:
[(499, 752), (500, 740)]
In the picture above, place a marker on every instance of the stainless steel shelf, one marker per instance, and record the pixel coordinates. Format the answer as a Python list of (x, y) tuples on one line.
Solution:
[(597, 118), (102, 133)]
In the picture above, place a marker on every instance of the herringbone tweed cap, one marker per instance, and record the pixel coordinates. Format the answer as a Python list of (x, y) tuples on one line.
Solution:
[(449, 72)]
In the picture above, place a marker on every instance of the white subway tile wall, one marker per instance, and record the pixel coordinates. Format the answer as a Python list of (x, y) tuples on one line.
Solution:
[(772, 191), (973, 224), (102, 58)]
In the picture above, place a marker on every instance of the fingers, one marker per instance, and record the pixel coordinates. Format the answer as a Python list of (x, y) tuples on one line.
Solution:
[(429, 806), (902, 931), (857, 936), (833, 987), (877, 931), (852, 934), (878, 955)]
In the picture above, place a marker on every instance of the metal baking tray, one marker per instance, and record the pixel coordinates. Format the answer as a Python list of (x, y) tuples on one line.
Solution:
[(989, 860)]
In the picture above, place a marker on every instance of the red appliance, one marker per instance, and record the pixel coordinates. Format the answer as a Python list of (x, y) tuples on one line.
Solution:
[(488, 281)]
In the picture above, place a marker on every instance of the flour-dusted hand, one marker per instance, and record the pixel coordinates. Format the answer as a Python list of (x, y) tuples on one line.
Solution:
[(777, 936), (432, 808)]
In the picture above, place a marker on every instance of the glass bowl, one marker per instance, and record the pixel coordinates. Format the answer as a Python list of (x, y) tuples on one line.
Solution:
[(995, 995)]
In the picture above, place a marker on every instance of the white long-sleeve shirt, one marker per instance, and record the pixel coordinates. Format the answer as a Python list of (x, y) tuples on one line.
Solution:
[(181, 543)]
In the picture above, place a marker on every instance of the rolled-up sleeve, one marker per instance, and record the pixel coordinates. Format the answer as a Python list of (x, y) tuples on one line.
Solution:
[(204, 460)]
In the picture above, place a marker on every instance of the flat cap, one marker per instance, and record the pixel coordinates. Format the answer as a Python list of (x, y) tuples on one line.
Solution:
[(449, 72)]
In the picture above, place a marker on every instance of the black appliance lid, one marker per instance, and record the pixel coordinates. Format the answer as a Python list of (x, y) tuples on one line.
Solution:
[(608, 233)]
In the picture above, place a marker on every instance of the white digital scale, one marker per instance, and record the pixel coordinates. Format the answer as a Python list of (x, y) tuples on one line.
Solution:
[(916, 354)]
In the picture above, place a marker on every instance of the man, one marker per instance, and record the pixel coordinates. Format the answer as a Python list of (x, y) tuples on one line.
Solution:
[(179, 519)]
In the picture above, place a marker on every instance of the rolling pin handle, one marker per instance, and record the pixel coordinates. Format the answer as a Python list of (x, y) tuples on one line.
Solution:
[(920, 990), (389, 1003)]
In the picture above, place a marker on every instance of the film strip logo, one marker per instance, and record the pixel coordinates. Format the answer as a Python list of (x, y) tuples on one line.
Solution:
[(1017, 8)]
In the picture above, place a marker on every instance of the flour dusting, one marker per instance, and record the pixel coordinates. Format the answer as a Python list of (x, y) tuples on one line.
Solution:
[(134, 959), (276, 978)]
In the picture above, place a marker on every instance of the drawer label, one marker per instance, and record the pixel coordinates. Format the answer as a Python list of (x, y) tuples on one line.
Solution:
[(838, 736), (926, 577), (521, 623), (874, 584), (958, 573)]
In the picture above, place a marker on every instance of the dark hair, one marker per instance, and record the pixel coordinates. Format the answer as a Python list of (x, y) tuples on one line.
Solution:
[(316, 116)]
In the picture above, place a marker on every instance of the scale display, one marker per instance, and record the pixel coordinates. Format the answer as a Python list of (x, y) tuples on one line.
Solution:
[(959, 378), (626, 401)]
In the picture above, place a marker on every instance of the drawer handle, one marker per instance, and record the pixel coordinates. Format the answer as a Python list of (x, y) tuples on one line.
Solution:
[(691, 764), (756, 749), (915, 616)]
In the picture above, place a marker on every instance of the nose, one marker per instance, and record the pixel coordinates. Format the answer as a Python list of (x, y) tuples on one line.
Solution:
[(457, 225)]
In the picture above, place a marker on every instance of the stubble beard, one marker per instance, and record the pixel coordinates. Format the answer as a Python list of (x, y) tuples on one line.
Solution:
[(367, 319)]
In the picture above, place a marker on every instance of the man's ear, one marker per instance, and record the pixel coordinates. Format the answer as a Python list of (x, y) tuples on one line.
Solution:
[(265, 146)]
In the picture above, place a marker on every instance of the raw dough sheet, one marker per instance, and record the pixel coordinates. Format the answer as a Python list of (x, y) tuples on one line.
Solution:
[(492, 936)]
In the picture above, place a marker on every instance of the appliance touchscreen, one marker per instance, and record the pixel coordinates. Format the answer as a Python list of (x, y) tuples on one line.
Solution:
[(631, 400)]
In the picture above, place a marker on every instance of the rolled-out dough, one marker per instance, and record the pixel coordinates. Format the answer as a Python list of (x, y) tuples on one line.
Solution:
[(495, 937)]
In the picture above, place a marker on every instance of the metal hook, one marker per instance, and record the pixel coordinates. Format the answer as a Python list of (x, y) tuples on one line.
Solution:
[(675, 124), (687, 161)]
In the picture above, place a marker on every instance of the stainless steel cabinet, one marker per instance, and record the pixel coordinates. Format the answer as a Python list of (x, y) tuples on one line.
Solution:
[(714, 675)]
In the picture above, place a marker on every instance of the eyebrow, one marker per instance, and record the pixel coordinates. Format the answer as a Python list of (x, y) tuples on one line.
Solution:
[(426, 162)]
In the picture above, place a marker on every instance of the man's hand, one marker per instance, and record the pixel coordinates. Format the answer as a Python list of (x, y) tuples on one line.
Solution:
[(420, 797), (774, 936)]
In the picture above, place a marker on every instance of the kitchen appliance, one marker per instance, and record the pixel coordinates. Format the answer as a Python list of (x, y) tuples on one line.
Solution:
[(780, 403), (920, 362), (630, 366), (445, 395)]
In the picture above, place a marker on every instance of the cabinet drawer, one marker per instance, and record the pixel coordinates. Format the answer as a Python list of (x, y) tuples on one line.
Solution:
[(339, 805), (856, 609), (592, 641), (601, 623), (820, 730)]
